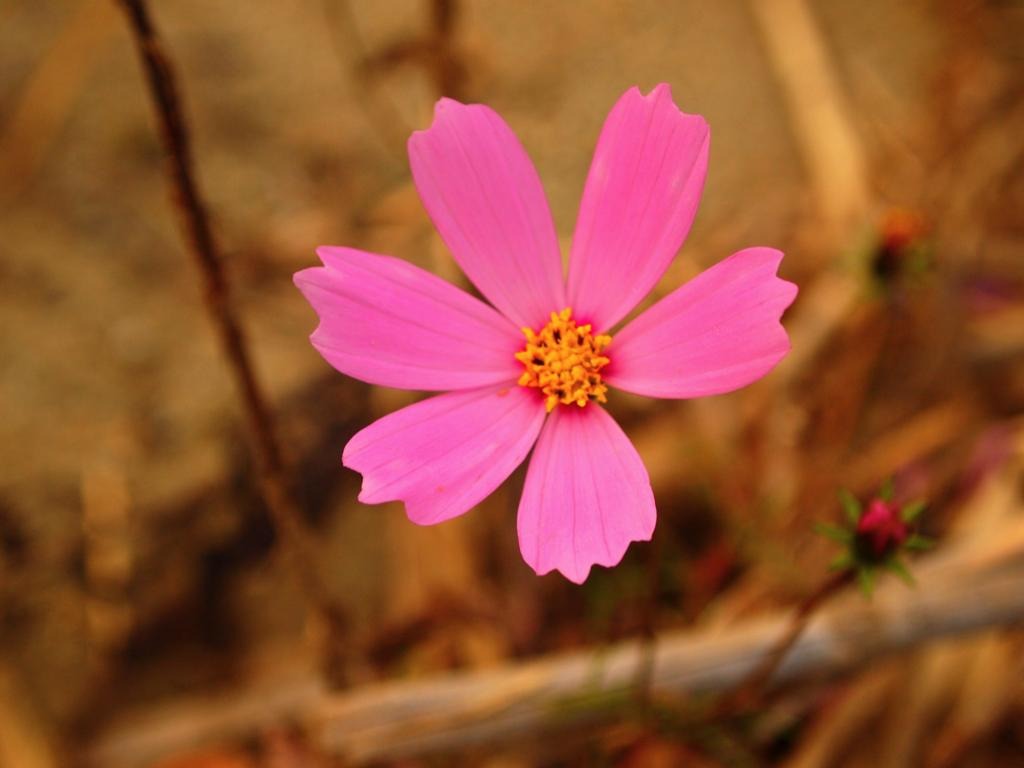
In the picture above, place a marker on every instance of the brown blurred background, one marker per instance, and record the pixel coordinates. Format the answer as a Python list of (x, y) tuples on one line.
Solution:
[(880, 144)]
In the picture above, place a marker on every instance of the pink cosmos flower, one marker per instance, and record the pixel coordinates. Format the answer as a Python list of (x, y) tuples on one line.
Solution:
[(531, 369)]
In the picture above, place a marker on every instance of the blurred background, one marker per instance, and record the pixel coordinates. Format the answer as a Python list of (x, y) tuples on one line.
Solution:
[(147, 615)]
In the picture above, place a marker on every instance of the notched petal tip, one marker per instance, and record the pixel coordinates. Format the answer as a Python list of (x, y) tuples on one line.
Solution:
[(387, 322), (307, 281), (577, 577), (786, 289), (443, 455), (485, 198), (446, 102), (586, 498), (329, 253), (720, 331), (306, 277), (789, 291), (445, 109), (579, 573), (640, 199), (662, 92)]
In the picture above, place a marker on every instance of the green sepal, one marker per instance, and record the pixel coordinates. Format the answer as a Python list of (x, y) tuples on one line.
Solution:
[(912, 511), (850, 506), (834, 532), (917, 543), (887, 489), (898, 567)]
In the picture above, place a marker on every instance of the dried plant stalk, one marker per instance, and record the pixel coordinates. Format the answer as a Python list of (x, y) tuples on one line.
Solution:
[(202, 247), (971, 589)]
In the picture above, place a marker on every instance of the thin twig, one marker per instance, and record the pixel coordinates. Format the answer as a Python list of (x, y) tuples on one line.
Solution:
[(753, 686), (195, 222)]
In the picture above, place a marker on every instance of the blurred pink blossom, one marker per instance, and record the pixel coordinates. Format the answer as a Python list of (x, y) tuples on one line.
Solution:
[(531, 369)]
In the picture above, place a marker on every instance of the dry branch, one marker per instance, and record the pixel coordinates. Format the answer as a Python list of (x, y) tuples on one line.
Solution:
[(971, 589), (202, 246)]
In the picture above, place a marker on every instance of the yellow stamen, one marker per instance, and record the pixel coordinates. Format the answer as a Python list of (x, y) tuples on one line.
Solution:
[(563, 361)]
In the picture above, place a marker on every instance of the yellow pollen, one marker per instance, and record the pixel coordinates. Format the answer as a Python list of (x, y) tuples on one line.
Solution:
[(564, 361)]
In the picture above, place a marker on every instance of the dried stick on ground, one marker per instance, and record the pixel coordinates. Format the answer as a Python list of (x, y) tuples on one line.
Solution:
[(203, 249), (967, 590)]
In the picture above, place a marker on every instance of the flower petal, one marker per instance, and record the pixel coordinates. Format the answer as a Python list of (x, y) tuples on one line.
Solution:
[(641, 195), (387, 322), (443, 455), (486, 200), (587, 495), (716, 333)]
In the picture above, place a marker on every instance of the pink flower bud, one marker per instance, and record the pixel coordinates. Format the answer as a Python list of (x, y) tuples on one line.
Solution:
[(880, 530)]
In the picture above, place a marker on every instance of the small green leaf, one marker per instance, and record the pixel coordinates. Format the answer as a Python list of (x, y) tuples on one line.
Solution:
[(917, 543), (834, 532), (912, 511), (898, 567), (886, 490), (866, 580), (850, 506)]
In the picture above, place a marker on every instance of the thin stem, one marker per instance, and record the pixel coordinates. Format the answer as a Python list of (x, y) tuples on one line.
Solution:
[(195, 222), (750, 689)]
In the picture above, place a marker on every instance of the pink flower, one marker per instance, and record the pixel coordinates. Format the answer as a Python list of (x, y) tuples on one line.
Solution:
[(530, 370)]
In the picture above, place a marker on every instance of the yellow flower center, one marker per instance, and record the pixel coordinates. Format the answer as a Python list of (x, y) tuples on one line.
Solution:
[(564, 361)]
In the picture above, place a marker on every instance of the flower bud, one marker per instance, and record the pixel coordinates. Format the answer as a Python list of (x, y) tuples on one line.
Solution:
[(880, 530)]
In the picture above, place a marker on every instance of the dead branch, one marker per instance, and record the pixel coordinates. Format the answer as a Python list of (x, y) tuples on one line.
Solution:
[(749, 690), (202, 247), (974, 588)]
